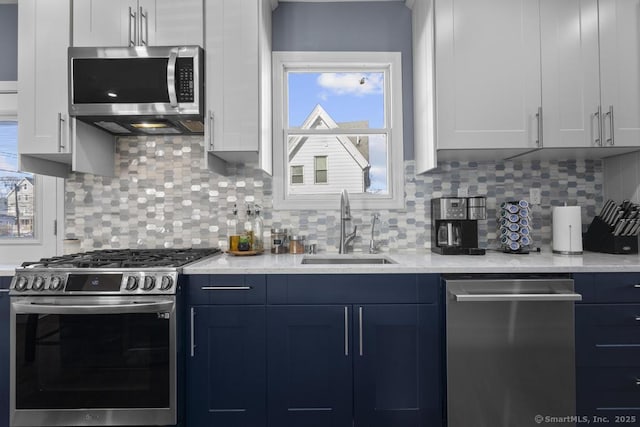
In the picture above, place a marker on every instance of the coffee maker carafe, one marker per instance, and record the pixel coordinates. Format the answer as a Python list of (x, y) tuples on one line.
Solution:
[(454, 225)]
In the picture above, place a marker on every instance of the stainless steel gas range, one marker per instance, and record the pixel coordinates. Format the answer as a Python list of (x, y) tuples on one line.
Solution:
[(94, 338)]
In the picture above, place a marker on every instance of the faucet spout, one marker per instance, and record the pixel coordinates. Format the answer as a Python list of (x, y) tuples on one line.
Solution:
[(345, 215)]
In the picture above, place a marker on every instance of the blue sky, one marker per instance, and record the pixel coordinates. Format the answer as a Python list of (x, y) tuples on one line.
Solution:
[(346, 97), (9, 150)]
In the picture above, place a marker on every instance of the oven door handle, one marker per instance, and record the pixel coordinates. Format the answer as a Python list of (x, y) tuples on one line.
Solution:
[(137, 307)]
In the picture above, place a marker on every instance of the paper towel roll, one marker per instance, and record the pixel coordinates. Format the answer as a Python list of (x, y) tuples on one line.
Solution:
[(567, 230)]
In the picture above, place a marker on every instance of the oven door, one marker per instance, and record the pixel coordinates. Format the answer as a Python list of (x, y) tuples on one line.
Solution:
[(85, 361)]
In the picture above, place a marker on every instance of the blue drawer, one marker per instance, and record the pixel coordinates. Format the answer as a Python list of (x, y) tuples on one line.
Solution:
[(225, 289), (609, 392), (608, 335), (608, 287)]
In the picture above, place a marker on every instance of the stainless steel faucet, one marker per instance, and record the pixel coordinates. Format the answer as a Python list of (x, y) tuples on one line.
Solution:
[(373, 246), (345, 215)]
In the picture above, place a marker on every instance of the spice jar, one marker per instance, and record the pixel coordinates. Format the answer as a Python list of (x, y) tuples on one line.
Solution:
[(296, 245), (278, 240)]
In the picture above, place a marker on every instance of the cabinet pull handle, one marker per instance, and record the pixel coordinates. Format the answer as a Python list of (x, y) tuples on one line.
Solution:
[(226, 288), (193, 333), (132, 31), (539, 143), (360, 329), (637, 286), (598, 114), (637, 381), (144, 16), (611, 140), (210, 130), (61, 120), (4, 291), (637, 318), (346, 331)]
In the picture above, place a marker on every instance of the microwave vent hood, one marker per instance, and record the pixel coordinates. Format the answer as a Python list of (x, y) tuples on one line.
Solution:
[(155, 90)]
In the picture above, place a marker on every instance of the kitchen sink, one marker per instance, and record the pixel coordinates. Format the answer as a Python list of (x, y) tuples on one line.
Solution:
[(346, 260)]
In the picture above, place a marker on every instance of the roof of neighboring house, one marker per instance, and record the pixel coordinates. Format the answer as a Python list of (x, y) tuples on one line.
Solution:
[(319, 119)]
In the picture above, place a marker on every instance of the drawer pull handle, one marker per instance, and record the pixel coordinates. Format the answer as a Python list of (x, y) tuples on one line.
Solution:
[(226, 288), (637, 318), (637, 381), (637, 286)]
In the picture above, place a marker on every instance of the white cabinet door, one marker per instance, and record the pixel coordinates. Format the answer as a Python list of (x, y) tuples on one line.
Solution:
[(570, 73), (105, 22), (620, 68), (49, 141), (238, 75), (171, 22), (43, 38), (488, 88), (137, 23)]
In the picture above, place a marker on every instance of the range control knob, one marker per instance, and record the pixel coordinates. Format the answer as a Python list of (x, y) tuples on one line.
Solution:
[(38, 283), (149, 283), (55, 284), (21, 283), (166, 283), (132, 283)]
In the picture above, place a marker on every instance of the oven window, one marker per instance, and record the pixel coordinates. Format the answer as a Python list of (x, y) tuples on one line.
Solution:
[(92, 361)]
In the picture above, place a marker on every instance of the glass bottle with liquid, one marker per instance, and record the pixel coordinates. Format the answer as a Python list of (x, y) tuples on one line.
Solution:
[(258, 230)]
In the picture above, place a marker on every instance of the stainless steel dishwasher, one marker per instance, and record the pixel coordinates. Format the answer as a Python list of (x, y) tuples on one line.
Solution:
[(510, 350)]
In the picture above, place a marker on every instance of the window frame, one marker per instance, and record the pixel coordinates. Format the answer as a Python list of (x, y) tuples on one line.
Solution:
[(301, 174), (48, 202), (388, 62), (316, 170)]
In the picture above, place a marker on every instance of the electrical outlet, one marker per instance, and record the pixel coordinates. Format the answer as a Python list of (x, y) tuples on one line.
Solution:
[(463, 192), (535, 196)]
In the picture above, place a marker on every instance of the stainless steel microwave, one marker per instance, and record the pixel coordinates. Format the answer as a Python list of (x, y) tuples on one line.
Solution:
[(138, 90)]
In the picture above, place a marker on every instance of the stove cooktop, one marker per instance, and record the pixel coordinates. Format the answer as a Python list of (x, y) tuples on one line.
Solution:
[(106, 272), (125, 258)]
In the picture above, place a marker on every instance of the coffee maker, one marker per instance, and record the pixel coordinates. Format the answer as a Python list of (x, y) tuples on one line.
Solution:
[(454, 225)]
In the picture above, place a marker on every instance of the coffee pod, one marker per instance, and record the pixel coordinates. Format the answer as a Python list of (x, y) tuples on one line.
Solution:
[(513, 208)]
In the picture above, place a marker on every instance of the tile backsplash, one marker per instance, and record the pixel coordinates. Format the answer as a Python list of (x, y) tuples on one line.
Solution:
[(162, 196)]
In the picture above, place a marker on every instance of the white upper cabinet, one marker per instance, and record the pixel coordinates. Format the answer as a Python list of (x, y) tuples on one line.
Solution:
[(570, 73), (591, 73), (49, 142), (620, 68), (238, 89), (137, 23), (488, 90)]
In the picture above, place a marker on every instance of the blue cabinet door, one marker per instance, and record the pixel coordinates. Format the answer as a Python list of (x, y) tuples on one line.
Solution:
[(397, 366), (4, 351), (309, 366), (226, 367)]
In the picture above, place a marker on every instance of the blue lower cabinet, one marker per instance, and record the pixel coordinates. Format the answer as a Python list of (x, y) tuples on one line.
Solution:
[(4, 351), (372, 365), (309, 366), (226, 372), (396, 366)]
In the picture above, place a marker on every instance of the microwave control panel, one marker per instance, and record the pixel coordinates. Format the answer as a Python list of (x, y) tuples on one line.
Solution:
[(184, 80)]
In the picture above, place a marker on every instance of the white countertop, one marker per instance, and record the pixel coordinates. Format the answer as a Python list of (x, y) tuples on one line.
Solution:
[(8, 269), (423, 262)]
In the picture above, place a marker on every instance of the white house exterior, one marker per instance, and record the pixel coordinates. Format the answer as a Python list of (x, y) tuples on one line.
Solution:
[(346, 167), (24, 201)]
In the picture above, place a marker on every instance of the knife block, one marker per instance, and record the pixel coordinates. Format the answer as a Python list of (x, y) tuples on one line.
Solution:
[(599, 238)]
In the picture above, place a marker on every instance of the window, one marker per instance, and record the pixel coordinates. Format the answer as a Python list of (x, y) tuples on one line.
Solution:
[(27, 229), (340, 115), (297, 174), (320, 168)]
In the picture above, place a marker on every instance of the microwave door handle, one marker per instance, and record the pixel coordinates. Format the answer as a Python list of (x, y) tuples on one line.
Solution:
[(143, 307), (171, 78)]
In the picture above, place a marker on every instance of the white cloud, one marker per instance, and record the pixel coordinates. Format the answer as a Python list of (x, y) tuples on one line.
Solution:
[(358, 84)]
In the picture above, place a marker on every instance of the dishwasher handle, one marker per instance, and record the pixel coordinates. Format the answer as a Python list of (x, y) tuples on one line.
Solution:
[(462, 296)]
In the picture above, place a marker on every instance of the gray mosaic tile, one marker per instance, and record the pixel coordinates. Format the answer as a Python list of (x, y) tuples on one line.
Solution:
[(163, 197)]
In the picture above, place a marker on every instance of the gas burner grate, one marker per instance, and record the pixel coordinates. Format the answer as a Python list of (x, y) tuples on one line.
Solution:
[(126, 258)]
